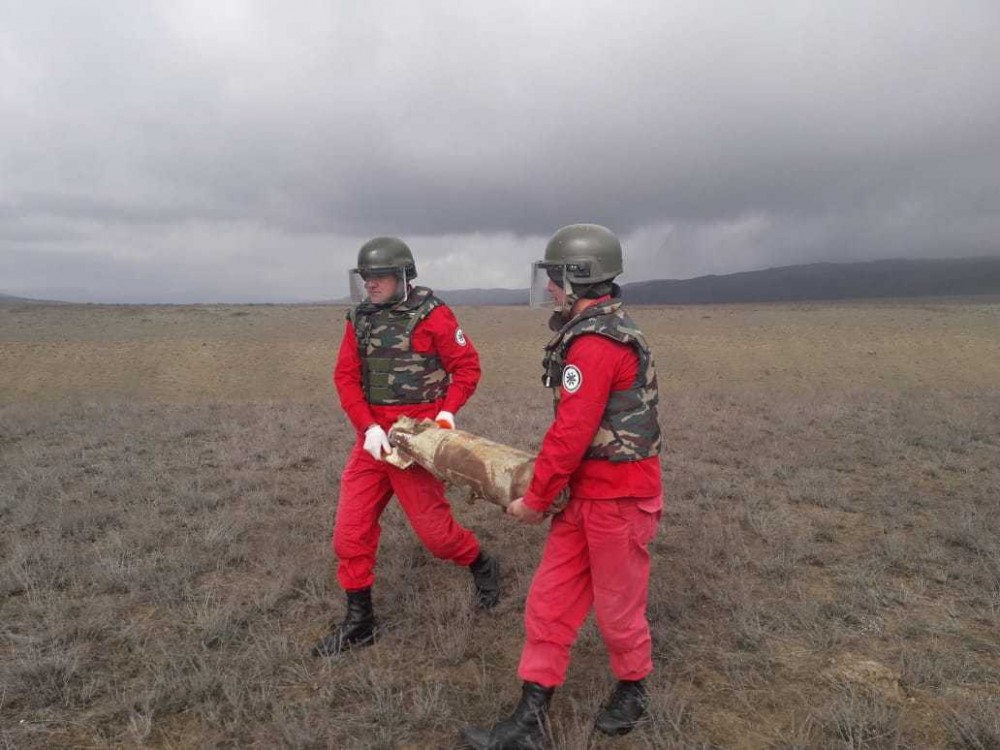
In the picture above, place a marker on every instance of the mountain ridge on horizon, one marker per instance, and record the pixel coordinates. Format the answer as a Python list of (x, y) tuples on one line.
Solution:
[(823, 280), (819, 281)]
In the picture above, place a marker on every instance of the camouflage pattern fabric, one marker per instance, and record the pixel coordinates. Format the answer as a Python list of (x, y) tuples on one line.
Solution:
[(629, 428), (391, 372)]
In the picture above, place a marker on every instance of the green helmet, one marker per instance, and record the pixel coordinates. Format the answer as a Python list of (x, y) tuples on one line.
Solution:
[(384, 255), (589, 253)]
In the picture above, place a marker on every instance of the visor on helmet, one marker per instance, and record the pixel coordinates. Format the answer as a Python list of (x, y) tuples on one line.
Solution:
[(562, 274), (357, 279), (557, 274), (543, 274)]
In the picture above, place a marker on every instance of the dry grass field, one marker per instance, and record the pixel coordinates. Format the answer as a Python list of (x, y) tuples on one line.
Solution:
[(827, 574)]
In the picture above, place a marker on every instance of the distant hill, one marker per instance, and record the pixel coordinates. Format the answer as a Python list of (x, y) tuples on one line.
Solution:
[(464, 297), (7, 299), (829, 281), (484, 296), (815, 281)]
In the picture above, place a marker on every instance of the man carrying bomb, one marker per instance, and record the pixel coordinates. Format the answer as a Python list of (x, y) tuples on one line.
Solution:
[(402, 354), (604, 443)]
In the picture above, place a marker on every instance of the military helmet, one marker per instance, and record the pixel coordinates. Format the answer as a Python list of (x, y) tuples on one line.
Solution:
[(589, 253), (386, 254)]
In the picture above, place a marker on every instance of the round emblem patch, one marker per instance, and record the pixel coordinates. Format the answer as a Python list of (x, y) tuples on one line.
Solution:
[(459, 337), (572, 378)]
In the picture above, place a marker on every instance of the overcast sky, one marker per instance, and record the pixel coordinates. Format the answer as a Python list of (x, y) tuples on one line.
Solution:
[(194, 151)]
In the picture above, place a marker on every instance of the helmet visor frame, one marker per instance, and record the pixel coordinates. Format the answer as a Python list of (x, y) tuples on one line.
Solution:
[(542, 274), (563, 274), (357, 279)]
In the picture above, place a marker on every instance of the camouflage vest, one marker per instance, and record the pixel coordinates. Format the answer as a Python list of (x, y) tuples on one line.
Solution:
[(391, 372), (629, 430)]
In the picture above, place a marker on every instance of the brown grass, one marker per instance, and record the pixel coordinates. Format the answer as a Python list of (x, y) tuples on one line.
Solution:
[(827, 574)]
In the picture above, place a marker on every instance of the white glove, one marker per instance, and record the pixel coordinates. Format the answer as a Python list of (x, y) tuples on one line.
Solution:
[(376, 442), (445, 419)]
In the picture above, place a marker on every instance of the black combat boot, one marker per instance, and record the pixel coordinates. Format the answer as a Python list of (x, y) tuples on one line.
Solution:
[(624, 708), (486, 576), (524, 730), (357, 629)]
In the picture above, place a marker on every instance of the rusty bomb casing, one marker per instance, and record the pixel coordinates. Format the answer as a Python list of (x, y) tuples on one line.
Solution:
[(491, 470)]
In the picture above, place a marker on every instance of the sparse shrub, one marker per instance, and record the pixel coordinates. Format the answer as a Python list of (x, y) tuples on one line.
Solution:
[(976, 727), (860, 719)]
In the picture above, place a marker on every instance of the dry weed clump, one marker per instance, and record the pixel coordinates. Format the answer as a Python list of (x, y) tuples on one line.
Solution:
[(827, 575)]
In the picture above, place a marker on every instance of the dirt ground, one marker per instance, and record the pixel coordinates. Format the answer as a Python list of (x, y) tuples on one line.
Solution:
[(264, 352), (827, 572)]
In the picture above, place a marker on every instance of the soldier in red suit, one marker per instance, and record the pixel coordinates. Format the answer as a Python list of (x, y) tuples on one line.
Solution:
[(604, 445), (402, 354)]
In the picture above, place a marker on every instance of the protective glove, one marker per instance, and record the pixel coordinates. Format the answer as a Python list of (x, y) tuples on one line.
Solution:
[(523, 513), (376, 442), (446, 420)]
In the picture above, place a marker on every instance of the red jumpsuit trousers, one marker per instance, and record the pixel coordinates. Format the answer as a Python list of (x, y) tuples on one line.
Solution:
[(366, 487), (596, 554)]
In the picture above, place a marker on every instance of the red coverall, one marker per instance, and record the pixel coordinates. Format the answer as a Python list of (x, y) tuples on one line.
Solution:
[(596, 551), (367, 485)]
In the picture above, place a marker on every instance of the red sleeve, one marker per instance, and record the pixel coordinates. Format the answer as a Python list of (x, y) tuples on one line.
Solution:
[(596, 360), (347, 379), (440, 333)]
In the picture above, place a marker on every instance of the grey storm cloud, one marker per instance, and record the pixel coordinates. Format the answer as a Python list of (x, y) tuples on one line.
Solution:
[(181, 151)]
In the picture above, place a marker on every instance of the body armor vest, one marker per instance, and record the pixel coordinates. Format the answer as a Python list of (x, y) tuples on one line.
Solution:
[(629, 430), (391, 372)]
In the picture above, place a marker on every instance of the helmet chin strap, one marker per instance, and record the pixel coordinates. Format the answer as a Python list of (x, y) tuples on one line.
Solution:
[(402, 292), (569, 295), (402, 288), (562, 314)]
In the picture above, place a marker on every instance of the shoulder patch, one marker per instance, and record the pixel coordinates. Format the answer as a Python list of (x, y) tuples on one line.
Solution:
[(572, 378), (459, 337)]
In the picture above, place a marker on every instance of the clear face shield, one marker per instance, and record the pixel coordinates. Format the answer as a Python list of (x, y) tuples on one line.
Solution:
[(378, 286), (549, 285)]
